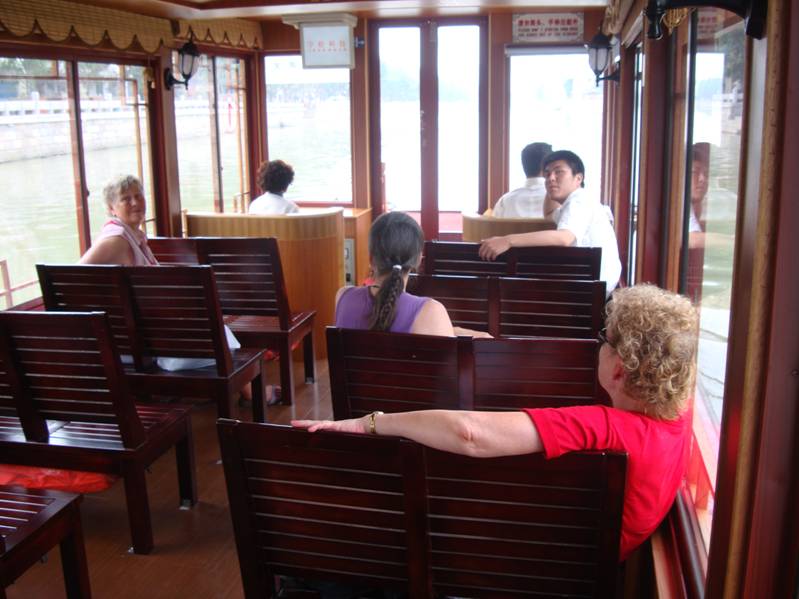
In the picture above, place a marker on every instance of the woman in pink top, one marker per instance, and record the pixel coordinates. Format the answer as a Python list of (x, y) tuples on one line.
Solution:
[(121, 240)]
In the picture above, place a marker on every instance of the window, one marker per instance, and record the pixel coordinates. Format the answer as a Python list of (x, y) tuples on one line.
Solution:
[(554, 99), (47, 217), (430, 97), (211, 124), (711, 205), (308, 126)]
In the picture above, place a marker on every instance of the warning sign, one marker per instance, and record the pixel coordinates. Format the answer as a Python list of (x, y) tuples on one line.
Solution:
[(548, 27)]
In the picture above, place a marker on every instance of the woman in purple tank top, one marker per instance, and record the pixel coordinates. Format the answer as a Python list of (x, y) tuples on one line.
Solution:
[(395, 248)]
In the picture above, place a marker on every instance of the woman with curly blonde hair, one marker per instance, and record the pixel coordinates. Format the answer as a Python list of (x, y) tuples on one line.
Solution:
[(647, 364)]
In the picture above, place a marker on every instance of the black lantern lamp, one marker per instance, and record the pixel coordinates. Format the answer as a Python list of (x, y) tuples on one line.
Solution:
[(752, 11), (600, 53), (188, 61)]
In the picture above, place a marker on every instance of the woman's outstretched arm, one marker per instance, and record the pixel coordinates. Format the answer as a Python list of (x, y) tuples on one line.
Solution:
[(477, 434)]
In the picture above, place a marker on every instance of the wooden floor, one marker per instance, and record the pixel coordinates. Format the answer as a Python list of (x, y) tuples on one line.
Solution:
[(195, 554)]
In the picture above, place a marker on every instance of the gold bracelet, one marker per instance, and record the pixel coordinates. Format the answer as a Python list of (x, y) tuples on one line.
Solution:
[(372, 429)]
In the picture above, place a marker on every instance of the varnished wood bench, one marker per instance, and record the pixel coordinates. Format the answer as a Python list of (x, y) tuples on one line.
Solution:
[(66, 404), (516, 307), (382, 512), (162, 312), (252, 296), (31, 523), (545, 262), (397, 372)]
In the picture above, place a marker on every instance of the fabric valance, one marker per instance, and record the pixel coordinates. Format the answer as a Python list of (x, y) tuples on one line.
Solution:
[(57, 19), (237, 33)]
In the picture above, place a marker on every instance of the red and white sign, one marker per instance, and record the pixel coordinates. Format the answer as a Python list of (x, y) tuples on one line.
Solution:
[(326, 45), (548, 27)]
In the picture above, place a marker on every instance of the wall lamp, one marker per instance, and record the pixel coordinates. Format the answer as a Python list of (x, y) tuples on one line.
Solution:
[(752, 11), (188, 61), (600, 53)]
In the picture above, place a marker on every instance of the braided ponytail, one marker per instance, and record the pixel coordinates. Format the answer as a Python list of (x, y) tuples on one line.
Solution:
[(395, 248)]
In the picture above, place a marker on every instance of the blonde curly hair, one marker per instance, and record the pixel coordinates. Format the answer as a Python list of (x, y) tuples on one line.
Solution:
[(655, 333)]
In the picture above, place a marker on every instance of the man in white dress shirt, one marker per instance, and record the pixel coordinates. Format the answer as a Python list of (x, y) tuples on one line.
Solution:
[(527, 201), (274, 178), (581, 219)]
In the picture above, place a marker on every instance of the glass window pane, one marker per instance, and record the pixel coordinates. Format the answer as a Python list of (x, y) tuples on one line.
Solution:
[(195, 125), (400, 136), (554, 99), (458, 123), (232, 123), (308, 126), (712, 206), (39, 221), (114, 124)]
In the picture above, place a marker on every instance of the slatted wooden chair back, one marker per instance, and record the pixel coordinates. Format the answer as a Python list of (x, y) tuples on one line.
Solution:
[(83, 288), (175, 251), (553, 262), (545, 262), (525, 526), (57, 366), (177, 313), (549, 308), (458, 258), (510, 374), (325, 506), (467, 299), (249, 275), (395, 372)]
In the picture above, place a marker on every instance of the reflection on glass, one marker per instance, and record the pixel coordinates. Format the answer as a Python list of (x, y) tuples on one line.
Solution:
[(195, 113), (37, 171), (712, 206), (554, 99), (113, 110), (635, 170), (232, 127), (400, 148), (458, 120), (308, 126)]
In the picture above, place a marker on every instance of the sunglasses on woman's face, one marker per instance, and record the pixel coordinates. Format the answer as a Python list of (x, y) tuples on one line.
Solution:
[(602, 336)]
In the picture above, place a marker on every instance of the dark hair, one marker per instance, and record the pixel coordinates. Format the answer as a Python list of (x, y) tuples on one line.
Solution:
[(275, 176), (700, 152), (395, 248), (570, 158), (533, 156)]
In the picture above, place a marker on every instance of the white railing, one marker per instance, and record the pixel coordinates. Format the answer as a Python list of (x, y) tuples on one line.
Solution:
[(6, 290)]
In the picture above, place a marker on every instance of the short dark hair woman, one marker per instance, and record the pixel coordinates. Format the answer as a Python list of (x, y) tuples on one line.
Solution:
[(274, 178)]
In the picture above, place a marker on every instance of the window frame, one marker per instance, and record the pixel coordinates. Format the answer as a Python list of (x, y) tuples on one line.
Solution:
[(72, 55), (307, 204)]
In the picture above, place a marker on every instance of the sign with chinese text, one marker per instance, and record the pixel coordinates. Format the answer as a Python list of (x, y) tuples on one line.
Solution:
[(548, 27), (326, 45)]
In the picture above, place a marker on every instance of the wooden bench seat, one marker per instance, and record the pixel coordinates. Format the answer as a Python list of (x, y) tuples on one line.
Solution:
[(397, 372), (516, 307), (32, 522), (383, 512), (162, 312), (62, 381), (252, 296), (544, 262)]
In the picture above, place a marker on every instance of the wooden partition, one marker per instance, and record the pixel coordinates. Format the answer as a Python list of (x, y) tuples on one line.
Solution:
[(357, 223), (311, 250), (476, 227)]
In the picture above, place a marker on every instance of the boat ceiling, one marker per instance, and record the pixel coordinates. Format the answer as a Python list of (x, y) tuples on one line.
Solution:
[(274, 9)]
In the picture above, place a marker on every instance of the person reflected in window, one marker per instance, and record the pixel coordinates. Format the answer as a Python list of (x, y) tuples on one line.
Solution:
[(647, 364), (527, 201), (122, 240), (274, 178), (700, 167), (581, 219), (395, 249)]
